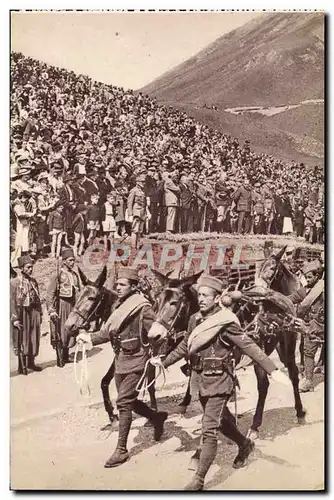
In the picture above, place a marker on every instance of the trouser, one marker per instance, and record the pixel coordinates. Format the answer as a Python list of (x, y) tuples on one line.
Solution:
[(216, 416), (186, 219), (171, 215), (243, 217), (153, 223), (126, 403), (310, 350)]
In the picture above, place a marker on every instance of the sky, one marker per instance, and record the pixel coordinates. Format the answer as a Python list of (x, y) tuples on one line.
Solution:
[(124, 49)]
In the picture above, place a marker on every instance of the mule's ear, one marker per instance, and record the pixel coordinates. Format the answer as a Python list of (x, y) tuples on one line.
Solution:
[(280, 254), (83, 277), (163, 280), (190, 280), (169, 273), (100, 280)]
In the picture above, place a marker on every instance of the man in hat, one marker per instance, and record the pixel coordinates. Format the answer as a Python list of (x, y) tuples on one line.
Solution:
[(62, 293), (311, 319), (26, 313), (137, 209), (209, 345), (131, 318), (243, 199)]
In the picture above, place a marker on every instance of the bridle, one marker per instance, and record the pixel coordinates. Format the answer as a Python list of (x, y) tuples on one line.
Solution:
[(181, 307), (86, 320)]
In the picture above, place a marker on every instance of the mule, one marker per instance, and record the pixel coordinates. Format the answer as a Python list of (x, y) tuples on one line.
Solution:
[(252, 314)]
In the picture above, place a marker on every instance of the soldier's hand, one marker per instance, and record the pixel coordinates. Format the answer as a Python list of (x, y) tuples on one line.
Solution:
[(17, 324), (156, 361), (299, 323), (130, 218), (85, 338), (280, 377)]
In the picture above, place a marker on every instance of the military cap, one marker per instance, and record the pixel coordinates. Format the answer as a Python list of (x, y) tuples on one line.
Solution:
[(127, 273), (210, 282), (67, 253), (24, 259), (311, 267)]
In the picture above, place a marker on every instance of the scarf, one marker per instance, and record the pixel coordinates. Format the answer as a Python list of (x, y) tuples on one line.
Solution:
[(128, 308), (206, 331), (310, 298)]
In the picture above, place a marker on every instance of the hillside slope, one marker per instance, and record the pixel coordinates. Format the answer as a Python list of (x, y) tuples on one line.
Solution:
[(276, 59)]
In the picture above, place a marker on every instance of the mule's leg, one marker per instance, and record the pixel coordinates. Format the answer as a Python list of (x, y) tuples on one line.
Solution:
[(262, 387), (186, 400), (105, 383), (290, 344), (151, 389), (301, 352)]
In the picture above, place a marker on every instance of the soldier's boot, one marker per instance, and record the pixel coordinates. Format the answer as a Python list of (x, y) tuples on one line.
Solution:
[(66, 358), (206, 457), (121, 454), (196, 484), (156, 417), (307, 384), (32, 366), (244, 451), (23, 364), (60, 358)]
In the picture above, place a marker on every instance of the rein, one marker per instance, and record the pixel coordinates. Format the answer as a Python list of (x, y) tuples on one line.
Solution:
[(177, 316), (90, 315), (82, 381)]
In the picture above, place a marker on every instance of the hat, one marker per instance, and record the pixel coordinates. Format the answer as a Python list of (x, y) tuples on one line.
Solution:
[(127, 273), (67, 253), (211, 282), (25, 259), (310, 267)]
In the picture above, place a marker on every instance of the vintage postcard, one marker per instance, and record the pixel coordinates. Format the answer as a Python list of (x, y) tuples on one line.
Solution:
[(167, 233)]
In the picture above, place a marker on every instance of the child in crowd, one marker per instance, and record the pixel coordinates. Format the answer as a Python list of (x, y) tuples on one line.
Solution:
[(108, 219), (78, 227), (93, 217), (56, 223)]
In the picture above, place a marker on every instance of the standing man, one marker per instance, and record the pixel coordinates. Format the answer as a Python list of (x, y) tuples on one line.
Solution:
[(61, 297), (137, 207), (131, 318), (26, 313), (243, 199), (172, 193), (312, 319), (209, 345)]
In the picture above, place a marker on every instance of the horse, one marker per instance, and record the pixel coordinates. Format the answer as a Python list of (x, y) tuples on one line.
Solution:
[(252, 313)]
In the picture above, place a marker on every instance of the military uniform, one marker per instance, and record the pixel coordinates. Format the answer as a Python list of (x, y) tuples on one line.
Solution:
[(213, 376), (69, 284), (137, 209), (131, 349), (311, 310), (27, 310)]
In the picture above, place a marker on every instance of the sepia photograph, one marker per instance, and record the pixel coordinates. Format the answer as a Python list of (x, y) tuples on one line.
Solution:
[(167, 250)]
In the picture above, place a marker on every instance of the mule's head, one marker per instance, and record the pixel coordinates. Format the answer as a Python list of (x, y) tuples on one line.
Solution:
[(270, 267), (173, 305), (87, 302)]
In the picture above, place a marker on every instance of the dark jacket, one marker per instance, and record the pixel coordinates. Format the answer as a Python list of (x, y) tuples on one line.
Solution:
[(243, 199), (135, 362), (221, 346)]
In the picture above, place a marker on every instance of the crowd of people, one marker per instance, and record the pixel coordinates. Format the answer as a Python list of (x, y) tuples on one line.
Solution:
[(93, 160)]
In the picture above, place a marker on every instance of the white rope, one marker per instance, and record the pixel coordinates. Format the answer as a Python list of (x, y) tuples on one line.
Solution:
[(142, 386), (82, 381)]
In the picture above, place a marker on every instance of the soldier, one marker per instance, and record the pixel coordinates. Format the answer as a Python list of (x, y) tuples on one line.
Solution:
[(311, 319), (26, 313), (61, 297), (213, 374), (137, 207), (126, 328)]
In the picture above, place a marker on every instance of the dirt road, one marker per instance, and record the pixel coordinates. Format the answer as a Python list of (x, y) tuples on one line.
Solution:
[(56, 442)]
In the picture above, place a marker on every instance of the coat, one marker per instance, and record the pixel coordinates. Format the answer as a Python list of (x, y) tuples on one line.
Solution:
[(243, 199), (222, 346), (137, 203), (130, 329), (171, 193)]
